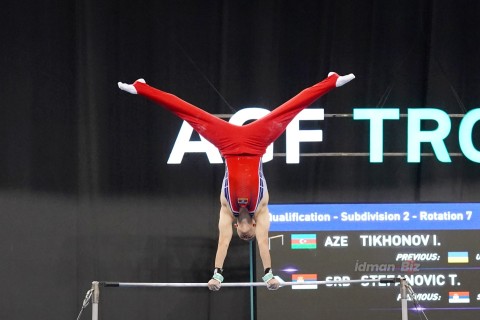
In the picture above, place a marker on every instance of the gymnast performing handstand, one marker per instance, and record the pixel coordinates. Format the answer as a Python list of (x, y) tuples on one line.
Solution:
[(244, 195)]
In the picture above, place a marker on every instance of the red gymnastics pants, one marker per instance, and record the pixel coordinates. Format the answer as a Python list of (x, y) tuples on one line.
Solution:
[(241, 146)]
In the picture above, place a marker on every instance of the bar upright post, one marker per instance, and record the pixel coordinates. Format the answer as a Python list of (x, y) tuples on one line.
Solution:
[(95, 299), (403, 296)]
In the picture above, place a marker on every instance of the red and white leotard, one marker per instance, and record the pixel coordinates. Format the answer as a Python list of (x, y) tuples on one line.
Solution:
[(241, 146)]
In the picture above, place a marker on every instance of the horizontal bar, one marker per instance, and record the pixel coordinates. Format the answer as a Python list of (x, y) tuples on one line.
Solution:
[(237, 284)]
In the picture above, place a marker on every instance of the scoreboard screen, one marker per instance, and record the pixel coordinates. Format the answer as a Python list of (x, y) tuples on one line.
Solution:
[(435, 246)]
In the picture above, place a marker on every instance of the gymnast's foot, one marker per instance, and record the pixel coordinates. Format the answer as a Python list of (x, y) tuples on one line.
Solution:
[(341, 80), (129, 87)]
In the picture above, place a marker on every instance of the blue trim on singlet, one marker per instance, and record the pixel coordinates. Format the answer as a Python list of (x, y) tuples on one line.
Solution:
[(261, 179), (225, 187)]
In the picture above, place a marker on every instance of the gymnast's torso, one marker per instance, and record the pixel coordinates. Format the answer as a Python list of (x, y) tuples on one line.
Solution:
[(244, 184)]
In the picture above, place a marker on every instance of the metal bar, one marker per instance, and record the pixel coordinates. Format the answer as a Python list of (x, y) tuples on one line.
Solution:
[(404, 298), (97, 284), (95, 299), (232, 284)]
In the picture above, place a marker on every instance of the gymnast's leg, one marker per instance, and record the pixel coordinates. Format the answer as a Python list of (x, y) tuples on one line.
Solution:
[(270, 127), (214, 129)]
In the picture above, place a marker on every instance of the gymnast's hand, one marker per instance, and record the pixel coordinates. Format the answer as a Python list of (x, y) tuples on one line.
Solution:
[(273, 284), (270, 280), (214, 285), (216, 282)]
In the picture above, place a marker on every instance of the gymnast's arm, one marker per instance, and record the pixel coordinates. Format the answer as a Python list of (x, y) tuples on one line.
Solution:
[(262, 220), (224, 238)]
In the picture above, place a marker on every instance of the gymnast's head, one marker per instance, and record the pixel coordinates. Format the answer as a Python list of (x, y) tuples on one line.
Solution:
[(245, 225)]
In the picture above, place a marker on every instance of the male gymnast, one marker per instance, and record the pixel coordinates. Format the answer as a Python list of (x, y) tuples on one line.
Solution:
[(244, 195)]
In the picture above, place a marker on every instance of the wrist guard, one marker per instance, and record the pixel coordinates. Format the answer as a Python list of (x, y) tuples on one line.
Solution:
[(217, 275), (268, 275)]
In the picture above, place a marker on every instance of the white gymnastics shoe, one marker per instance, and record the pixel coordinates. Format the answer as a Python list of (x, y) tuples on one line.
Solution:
[(341, 80), (129, 87)]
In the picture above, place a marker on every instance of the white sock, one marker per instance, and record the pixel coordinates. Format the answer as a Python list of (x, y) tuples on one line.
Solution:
[(341, 80), (129, 87)]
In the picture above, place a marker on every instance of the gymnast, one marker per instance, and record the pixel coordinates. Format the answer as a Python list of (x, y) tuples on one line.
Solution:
[(244, 195)]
